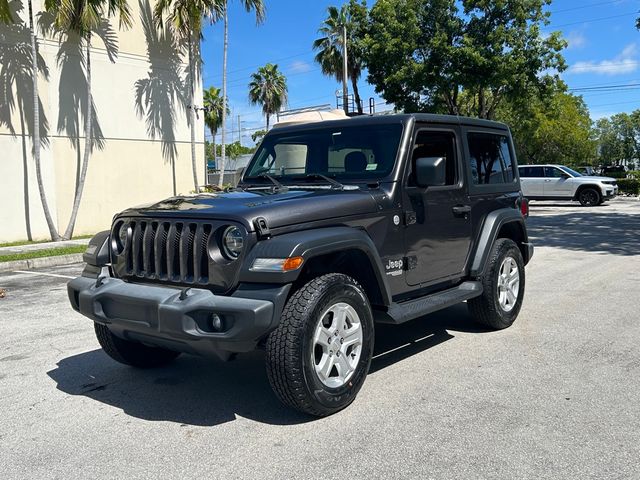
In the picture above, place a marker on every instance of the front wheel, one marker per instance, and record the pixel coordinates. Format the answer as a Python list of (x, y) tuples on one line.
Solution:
[(503, 287), (319, 356), (589, 197), (132, 353)]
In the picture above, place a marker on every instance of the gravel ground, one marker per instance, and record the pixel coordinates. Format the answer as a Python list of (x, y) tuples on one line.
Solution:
[(555, 396)]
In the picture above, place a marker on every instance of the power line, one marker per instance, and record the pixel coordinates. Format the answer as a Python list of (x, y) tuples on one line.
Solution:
[(584, 6), (598, 19)]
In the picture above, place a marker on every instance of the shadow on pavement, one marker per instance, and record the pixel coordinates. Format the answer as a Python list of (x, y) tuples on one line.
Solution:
[(205, 392), (587, 229)]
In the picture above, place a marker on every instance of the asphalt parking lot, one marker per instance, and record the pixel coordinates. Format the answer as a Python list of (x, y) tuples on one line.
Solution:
[(555, 396)]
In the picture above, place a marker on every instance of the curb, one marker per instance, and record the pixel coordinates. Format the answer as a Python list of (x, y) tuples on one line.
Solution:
[(42, 262)]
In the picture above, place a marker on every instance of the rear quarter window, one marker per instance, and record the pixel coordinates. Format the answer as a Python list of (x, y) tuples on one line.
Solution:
[(490, 158)]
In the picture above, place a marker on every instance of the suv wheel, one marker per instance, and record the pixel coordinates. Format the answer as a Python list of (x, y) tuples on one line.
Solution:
[(503, 287), (589, 197), (132, 353), (319, 356)]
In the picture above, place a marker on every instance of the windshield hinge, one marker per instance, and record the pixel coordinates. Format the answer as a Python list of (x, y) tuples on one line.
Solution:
[(262, 229)]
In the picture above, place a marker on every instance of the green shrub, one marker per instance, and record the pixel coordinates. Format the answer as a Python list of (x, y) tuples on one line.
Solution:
[(635, 174), (615, 174), (630, 186)]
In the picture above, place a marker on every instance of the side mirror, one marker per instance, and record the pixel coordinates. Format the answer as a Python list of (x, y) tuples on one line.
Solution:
[(565, 176), (430, 171)]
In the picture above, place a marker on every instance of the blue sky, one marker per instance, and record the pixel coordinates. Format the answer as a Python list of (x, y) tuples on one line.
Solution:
[(604, 49)]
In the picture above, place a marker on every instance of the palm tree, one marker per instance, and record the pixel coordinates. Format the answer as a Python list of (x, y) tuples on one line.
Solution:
[(5, 11), (213, 108), (185, 17), (83, 18), (258, 7), (268, 88), (331, 48)]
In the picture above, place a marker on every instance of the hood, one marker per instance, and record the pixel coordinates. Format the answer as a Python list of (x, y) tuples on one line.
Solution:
[(279, 208)]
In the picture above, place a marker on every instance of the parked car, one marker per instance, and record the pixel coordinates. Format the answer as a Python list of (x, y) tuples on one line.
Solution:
[(587, 171), (617, 170), (334, 225), (557, 182)]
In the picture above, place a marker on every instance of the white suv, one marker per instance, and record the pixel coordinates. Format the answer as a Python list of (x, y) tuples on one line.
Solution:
[(557, 182)]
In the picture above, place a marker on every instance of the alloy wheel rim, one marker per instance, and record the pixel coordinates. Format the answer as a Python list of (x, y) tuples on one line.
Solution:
[(508, 284), (589, 197), (337, 345)]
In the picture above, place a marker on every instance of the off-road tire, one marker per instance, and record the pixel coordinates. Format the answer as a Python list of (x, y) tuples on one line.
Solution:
[(132, 353), (589, 197), (486, 308), (289, 362)]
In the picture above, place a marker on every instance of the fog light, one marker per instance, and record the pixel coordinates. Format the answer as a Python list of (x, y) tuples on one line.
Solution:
[(216, 322)]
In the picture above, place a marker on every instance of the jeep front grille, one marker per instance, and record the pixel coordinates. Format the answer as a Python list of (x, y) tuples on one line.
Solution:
[(169, 251)]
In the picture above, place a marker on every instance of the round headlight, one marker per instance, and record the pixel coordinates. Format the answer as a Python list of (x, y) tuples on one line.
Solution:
[(122, 233), (232, 242)]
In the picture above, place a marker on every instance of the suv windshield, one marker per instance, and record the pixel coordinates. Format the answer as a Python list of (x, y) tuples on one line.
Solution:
[(571, 172), (344, 153)]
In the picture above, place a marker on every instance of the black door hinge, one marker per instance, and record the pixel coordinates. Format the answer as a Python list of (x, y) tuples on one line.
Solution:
[(262, 229), (410, 218)]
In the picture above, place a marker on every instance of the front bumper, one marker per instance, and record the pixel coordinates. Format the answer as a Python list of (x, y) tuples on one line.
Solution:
[(178, 319)]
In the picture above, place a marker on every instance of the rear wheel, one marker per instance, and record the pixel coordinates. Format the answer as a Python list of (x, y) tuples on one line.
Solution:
[(503, 287), (589, 197), (319, 356), (134, 354)]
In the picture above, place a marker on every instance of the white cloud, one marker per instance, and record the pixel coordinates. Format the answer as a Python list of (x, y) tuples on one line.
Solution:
[(300, 67), (625, 62), (576, 39)]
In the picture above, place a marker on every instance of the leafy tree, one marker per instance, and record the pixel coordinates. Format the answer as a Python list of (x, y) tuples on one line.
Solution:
[(619, 138), (5, 12), (258, 135), (353, 16), (213, 105), (82, 18), (258, 7), (422, 55), (185, 17), (555, 128), (268, 88)]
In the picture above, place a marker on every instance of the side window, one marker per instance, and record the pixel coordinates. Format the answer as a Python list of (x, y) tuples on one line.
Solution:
[(490, 158), (553, 172), (435, 144), (531, 172)]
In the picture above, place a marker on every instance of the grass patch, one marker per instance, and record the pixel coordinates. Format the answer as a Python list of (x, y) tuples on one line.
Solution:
[(26, 242), (49, 252)]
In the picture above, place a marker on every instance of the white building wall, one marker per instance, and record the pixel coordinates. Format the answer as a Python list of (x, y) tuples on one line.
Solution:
[(131, 168)]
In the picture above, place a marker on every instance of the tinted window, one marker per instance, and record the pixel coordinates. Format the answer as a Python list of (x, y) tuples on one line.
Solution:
[(526, 172), (490, 159), (553, 172), (435, 145)]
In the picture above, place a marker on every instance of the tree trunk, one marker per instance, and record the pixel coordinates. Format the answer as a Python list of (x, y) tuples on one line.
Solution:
[(53, 231), (213, 145), (356, 94), (88, 140), (223, 140), (192, 112), (267, 122)]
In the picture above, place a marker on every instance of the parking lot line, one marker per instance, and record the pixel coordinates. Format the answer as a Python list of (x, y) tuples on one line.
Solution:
[(44, 274)]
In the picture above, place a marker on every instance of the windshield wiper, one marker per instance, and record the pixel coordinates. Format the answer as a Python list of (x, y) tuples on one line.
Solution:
[(277, 186), (331, 181)]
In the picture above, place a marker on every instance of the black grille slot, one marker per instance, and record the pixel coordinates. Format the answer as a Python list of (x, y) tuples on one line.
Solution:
[(171, 251)]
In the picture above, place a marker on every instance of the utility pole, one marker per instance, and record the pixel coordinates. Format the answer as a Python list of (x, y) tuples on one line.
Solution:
[(345, 63), (239, 131)]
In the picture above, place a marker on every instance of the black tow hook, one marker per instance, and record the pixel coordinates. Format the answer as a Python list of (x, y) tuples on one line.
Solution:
[(100, 281), (184, 293)]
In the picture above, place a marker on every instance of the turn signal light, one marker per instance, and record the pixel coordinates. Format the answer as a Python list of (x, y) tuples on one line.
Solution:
[(292, 263)]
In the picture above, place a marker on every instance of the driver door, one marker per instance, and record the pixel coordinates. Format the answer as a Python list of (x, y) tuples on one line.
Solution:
[(438, 219)]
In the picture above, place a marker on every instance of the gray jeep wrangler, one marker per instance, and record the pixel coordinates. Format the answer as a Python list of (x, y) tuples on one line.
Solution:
[(334, 226)]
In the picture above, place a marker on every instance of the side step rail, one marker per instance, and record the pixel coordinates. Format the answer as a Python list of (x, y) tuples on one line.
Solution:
[(412, 309)]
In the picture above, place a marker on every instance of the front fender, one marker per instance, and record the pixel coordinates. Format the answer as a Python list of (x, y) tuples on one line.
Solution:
[(309, 244)]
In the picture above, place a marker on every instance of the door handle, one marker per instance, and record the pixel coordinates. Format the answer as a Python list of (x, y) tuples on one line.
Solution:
[(462, 210), (547, 180)]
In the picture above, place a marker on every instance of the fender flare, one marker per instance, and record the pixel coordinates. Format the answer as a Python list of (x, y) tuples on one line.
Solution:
[(489, 233), (309, 244)]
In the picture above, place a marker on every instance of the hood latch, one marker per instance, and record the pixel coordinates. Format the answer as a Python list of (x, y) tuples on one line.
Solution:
[(262, 228)]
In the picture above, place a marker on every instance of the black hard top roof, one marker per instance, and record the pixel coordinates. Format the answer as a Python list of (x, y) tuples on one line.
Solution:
[(402, 118)]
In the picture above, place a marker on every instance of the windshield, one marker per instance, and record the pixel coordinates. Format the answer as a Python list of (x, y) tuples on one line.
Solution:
[(344, 153), (571, 172)]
